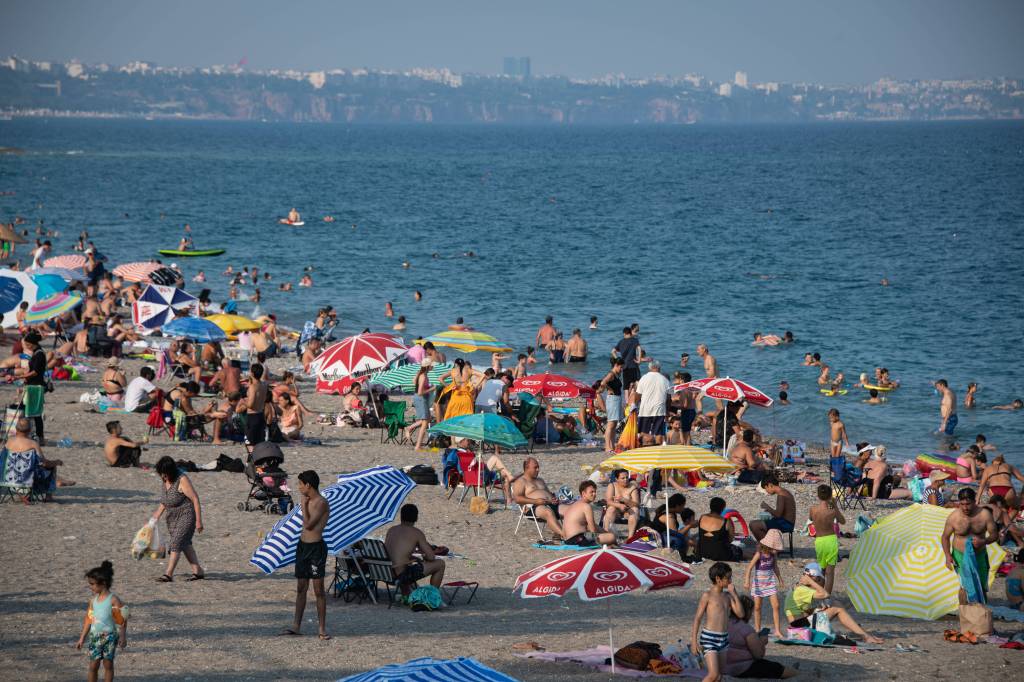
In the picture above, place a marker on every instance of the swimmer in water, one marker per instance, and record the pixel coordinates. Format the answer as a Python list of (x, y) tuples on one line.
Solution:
[(417, 295), (306, 281), (765, 339), (783, 385), (970, 400), (328, 219), (1015, 405), (389, 311), (285, 286), (784, 398), (405, 264), (837, 384), (593, 321), (400, 325), (885, 281), (874, 398), (293, 216), (788, 337), (684, 359), (230, 270), (824, 379)]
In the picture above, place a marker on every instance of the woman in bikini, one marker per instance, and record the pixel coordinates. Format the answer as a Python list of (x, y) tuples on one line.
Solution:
[(556, 349), (114, 381), (967, 465), (291, 417), (997, 478)]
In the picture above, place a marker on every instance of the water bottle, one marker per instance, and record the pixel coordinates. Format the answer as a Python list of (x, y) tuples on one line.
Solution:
[(64, 442)]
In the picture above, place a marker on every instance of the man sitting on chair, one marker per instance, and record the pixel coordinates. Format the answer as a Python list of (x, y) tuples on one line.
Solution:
[(405, 539), (578, 520), (531, 489)]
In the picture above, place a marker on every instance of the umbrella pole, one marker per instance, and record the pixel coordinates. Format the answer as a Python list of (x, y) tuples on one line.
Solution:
[(664, 475), (725, 423), (611, 645)]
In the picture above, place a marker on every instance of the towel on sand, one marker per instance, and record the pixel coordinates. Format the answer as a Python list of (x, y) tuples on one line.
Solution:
[(595, 658)]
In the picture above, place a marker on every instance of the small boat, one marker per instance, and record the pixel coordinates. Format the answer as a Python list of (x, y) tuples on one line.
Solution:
[(297, 223), (191, 253)]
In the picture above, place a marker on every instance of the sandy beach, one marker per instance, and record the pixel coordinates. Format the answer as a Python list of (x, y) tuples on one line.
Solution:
[(225, 628)]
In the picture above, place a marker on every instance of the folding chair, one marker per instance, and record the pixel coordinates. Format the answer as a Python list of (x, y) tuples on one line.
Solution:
[(473, 473), (155, 421), (19, 476), (392, 428), (527, 414), (349, 581), (846, 488), (378, 567), (526, 511)]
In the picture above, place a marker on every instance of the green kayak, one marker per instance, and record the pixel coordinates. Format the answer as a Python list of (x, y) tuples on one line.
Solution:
[(190, 254)]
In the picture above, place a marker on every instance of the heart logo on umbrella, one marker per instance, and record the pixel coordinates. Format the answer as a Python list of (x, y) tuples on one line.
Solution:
[(609, 576), (561, 576), (658, 572)]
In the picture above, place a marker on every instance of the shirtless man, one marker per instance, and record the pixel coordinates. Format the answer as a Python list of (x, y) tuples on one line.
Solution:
[(578, 520), (309, 354), (996, 478), (91, 312), (118, 450), (969, 522), (751, 468), (546, 333), (311, 554), (405, 539), (686, 401), (293, 216), (228, 378), (783, 513), (1015, 405), (765, 339), (711, 370), (622, 499), (530, 488), (255, 404), (824, 516), (222, 413), (947, 408)]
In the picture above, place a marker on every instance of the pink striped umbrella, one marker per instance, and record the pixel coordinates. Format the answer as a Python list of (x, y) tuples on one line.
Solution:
[(71, 261), (53, 306), (137, 272)]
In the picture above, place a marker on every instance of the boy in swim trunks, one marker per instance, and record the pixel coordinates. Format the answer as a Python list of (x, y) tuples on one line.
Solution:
[(824, 516), (837, 433), (311, 554), (715, 604)]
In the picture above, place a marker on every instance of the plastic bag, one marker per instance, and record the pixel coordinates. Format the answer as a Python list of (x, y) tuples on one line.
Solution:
[(142, 539)]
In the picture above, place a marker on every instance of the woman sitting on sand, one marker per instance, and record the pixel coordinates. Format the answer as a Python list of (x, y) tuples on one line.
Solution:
[(800, 604), (745, 655), (290, 420), (715, 536), (114, 381)]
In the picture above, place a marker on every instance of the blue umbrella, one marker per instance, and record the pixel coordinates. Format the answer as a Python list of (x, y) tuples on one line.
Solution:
[(64, 273), (195, 328), (433, 670), (15, 286), (48, 285), (359, 504)]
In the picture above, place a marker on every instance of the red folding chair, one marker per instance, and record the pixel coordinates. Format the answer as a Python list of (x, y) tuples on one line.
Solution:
[(155, 421), (474, 473)]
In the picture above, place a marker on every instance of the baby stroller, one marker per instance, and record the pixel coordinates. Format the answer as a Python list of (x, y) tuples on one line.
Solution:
[(269, 483)]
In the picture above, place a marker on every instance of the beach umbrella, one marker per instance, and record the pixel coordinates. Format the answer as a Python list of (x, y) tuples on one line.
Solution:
[(64, 273), (602, 573), (553, 386), (402, 378), (157, 304), (483, 427), (233, 324), (71, 261), (137, 272), (467, 341), (194, 328), (355, 355), (898, 568), (432, 670), (9, 235), (729, 389), (359, 503), (48, 285), (52, 306), (15, 286)]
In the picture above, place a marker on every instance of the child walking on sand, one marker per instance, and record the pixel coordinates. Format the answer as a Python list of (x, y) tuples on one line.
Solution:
[(106, 623), (715, 604), (825, 516), (764, 580), (838, 433)]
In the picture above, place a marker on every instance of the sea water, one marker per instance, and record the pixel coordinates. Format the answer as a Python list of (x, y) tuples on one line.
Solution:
[(700, 234)]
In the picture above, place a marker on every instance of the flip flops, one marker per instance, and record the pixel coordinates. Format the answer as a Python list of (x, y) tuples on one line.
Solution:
[(165, 579), (960, 637)]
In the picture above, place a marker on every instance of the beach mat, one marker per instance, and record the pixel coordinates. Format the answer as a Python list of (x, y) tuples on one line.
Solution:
[(595, 658), (862, 646), (568, 548)]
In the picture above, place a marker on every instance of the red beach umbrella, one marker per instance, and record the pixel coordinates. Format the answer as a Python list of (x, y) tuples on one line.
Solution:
[(355, 355), (726, 388), (71, 261), (602, 573), (553, 386), (137, 272)]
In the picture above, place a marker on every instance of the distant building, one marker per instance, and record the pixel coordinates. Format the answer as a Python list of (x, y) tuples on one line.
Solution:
[(740, 79), (517, 67), (725, 90)]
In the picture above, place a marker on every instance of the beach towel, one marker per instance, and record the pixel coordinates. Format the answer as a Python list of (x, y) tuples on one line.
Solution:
[(570, 548), (1006, 613), (595, 658), (33, 400), (968, 569)]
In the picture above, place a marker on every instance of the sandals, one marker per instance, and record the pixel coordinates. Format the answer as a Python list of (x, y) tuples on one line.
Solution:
[(960, 637), (165, 579), (195, 576)]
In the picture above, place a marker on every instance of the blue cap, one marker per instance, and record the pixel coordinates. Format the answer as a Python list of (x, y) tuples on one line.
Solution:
[(814, 568)]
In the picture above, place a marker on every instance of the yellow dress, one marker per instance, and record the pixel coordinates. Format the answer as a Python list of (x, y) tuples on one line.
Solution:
[(461, 402)]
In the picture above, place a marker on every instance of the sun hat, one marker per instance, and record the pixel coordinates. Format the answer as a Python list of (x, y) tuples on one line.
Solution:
[(938, 475), (814, 568), (772, 539), (865, 449)]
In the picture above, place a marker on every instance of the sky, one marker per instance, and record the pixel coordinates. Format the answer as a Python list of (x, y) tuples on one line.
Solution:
[(825, 41)]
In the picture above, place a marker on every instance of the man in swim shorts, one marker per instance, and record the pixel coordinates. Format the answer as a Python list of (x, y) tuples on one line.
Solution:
[(578, 522), (969, 523), (405, 539), (947, 408), (824, 516), (311, 553)]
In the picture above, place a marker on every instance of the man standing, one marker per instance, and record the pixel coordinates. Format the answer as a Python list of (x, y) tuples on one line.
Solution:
[(687, 409), (973, 524), (654, 388), (947, 408), (405, 539), (578, 520), (783, 513), (545, 333), (531, 489), (255, 403), (628, 348), (711, 370), (824, 516), (311, 554), (40, 254)]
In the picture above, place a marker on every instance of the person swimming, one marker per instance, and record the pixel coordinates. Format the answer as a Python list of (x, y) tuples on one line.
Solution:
[(293, 216)]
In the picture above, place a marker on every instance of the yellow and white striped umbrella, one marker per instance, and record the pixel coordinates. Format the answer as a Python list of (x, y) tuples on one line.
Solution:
[(897, 568), (679, 457)]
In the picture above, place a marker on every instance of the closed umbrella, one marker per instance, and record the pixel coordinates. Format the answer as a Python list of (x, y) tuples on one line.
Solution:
[(726, 388), (15, 286), (53, 306), (898, 568), (157, 305), (602, 573), (359, 503), (432, 670), (467, 341), (194, 328)]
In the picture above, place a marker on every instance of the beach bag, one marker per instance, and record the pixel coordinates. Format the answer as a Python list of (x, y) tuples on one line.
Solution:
[(863, 523), (638, 655), (478, 505), (976, 618), (823, 624), (426, 598), (799, 634), (230, 464)]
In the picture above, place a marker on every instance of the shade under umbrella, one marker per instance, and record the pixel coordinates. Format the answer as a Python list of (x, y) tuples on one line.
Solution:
[(157, 305), (432, 670), (403, 378), (679, 457), (194, 328), (53, 306), (359, 504), (358, 354), (726, 388), (467, 341), (15, 286), (483, 427), (71, 261)]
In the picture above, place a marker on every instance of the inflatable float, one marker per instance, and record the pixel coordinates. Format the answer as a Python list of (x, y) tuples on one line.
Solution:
[(736, 519), (926, 462), (881, 389), (191, 254), (297, 223), (829, 392)]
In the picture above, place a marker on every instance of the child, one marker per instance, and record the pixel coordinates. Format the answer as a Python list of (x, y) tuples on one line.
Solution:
[(767, 581), (825, 516), (1014, 593), (105, 610), (838, 433), (713, 640)]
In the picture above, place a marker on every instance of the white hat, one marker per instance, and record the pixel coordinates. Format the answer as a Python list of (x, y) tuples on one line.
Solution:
[(865, 449)]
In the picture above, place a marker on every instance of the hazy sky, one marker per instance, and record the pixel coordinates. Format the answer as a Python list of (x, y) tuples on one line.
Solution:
[(815, 40)]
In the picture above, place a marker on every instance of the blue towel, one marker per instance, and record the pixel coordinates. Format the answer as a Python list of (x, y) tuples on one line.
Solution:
[(969, 578), (558, 548)]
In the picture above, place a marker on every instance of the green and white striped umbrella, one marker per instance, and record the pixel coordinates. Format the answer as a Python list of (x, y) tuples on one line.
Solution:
[(402, 378), (482, 427)]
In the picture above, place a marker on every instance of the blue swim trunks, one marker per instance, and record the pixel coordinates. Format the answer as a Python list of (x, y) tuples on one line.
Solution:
[(781, 525), (951, 423)]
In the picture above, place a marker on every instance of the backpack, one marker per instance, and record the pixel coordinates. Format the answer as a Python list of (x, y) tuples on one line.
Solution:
[(231, 464)]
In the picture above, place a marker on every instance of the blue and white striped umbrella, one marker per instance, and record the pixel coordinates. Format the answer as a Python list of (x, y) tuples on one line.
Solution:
[(433, 670), (360, 503), (194, 328)]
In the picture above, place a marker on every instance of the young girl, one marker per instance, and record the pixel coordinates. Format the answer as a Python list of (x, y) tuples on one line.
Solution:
[(106, 623), (767, 581)]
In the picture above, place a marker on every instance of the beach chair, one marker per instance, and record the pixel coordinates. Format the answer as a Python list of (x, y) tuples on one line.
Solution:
[(846, 488), (156, 421), (392, 429), (526, 415), (377, 565), (21, 475), (99, 342), (526, 513), (450, 476), (473, 473)]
